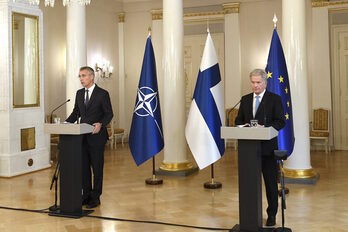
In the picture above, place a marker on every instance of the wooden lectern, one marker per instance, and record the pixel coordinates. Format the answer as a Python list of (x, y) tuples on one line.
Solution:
[(70, 167), (249, 173)]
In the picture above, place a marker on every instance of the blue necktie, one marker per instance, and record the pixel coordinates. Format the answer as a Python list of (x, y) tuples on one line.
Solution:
[(257, 103), (87, 98)]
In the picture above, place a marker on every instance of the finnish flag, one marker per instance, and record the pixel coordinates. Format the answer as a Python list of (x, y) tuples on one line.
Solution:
[(206, 114)]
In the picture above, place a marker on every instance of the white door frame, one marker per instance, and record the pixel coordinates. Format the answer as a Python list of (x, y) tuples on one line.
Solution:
[(339, 126)]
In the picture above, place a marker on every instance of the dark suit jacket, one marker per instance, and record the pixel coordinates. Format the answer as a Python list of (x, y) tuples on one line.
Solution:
[(99, 109), (269, 113)]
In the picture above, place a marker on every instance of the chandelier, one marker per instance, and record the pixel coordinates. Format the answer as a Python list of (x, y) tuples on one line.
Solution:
[(51, 2)]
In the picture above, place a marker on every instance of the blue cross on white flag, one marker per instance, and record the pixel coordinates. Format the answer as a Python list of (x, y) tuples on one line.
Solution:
[(207, 111), (146, 134)]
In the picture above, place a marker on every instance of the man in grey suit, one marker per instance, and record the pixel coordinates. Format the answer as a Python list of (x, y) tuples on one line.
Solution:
[(93, 106), (267, 108)]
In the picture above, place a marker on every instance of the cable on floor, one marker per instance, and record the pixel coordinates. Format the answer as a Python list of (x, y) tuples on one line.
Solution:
[(121, 219)]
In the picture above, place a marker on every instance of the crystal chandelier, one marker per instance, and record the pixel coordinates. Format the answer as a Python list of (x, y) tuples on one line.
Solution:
[(51, 2)]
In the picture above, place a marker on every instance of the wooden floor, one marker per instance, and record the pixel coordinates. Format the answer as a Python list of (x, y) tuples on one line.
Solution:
[(180, 200)]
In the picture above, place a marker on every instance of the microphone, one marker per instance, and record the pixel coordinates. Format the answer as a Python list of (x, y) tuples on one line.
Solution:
[(57, 109), (78, 117), (228, 112)]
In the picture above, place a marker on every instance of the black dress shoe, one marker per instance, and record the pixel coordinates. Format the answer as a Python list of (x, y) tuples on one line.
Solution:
[(271, 221), (85, 201), (93, 203)]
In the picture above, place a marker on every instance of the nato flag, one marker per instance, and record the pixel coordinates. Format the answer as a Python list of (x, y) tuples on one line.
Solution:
[(146, 134), (278, 83)]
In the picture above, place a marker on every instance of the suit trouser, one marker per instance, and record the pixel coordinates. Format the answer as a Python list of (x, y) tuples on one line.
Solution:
[(270, 173), (92, 158)]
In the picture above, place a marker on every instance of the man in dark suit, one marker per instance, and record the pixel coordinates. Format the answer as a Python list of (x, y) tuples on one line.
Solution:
[(92, 106), (267, 108)]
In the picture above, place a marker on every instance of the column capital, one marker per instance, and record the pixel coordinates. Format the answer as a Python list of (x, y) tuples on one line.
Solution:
[(121, 17), (320, 3), (230, 8), (157, 14)]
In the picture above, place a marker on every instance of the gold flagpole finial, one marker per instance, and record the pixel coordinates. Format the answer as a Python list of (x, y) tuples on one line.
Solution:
[(275, 20), (149, 30)]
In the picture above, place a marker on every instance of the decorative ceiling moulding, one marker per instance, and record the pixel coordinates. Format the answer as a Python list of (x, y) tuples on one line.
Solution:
[(214, 16), (338, 10), (202, 17), (320, 3), (121, 17), (338, 3), (157, 14), (51, 2), (325, 3), (230, 8)]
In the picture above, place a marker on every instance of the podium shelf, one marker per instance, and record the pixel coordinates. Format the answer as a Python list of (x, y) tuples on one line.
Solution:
[(67, 128), (248, 133)]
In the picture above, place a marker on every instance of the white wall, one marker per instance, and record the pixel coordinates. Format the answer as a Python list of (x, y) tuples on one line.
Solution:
[(256, 28), (54, 38), (136, 32), (102, 39)]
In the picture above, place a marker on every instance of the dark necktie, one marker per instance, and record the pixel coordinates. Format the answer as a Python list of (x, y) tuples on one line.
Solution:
[(87, 98)]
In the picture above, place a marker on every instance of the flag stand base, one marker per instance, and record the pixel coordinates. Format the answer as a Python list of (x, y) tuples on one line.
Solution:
[(153, 181), (285, 189), (282, 229), (212, 185)]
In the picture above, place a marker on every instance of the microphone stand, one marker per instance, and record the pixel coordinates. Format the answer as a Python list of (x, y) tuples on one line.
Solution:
[(228, 113), (283, 189), (55, 207), (51, 121)]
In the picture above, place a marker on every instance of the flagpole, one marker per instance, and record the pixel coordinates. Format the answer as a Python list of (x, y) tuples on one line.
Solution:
[(275, 20), (154, 180), (147, 107), (212, 184)]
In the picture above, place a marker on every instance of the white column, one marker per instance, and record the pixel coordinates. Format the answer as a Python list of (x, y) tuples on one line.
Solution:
[(175, 157), (121, 74), (157, 43), (76, 50), (233, 76), (294, 41)]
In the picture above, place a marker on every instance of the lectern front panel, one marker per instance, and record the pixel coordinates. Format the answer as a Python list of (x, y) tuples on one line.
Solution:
[(250, 187), (70, 173)]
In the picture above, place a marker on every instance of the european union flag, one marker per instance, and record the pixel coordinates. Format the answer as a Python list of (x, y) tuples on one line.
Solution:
[(146, 134), (278, 82)]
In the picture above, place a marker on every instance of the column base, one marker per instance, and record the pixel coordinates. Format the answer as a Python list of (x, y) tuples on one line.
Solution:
[(301, 176), (176, 169)]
